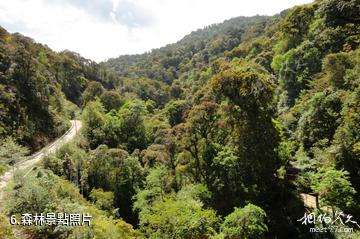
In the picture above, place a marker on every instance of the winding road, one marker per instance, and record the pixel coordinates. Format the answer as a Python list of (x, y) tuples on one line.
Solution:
[(30, 162)]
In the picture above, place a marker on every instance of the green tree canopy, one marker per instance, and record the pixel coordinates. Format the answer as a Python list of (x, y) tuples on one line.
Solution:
[(248, 222), (334, 188)]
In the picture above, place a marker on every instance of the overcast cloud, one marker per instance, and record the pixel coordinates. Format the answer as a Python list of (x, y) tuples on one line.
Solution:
[(101, 29)]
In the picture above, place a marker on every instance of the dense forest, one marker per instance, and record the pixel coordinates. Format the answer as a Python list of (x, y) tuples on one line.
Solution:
[(215, 136)]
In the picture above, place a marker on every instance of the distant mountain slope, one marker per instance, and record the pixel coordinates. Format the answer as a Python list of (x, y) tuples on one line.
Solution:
[(192, 52)]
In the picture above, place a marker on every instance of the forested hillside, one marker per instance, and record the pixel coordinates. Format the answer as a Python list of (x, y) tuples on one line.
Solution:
[(215, 136), (40, 88)]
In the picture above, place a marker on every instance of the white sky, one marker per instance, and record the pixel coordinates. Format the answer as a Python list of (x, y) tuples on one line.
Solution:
[(101, 29)]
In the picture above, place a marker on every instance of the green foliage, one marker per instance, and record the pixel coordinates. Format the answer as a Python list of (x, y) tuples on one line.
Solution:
[(158, 182), (248, 223), (93, 90), (295, 68), (5, 228), (126, 127), (93, 118), (175, 90), (157, 129), (325, 132), (334, 188), (44, 192), (11, 152), (36, 85), (199, 133), (172, 218), (111, 100), (37, 192), (177, 61), (335, 66), (321, 119), (114, 170), (197, 192), (109, 177), (105, 228), (245, 84), (103, 200), (2, 169), (175, 110), (346, 138), (133, 132), (296, 23), (175, 136), (249, 90), (154, 155), (340, 12)]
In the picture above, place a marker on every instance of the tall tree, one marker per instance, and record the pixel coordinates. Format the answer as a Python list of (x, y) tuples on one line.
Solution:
[(248, 90)]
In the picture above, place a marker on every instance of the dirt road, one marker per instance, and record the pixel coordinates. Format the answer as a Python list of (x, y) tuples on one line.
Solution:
[(35, 158)]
